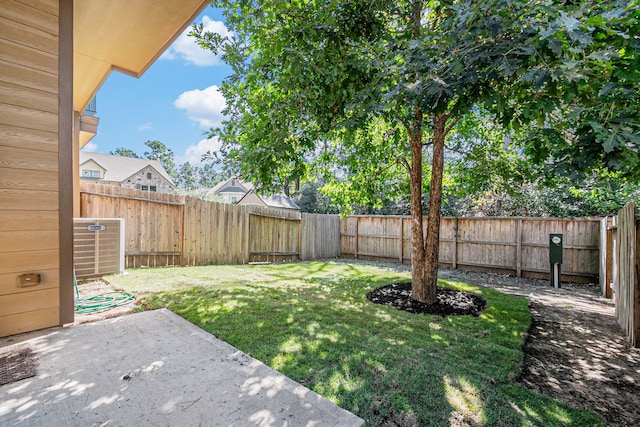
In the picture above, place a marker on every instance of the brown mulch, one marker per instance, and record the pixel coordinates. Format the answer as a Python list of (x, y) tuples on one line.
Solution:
[(449, 302)]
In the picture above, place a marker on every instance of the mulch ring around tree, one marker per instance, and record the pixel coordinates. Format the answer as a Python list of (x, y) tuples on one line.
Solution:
[(449, 302)]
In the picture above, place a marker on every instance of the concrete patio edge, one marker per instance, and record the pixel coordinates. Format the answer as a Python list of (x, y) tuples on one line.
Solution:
[(155, 368)]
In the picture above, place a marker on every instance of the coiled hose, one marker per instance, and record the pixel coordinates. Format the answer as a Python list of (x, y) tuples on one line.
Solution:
[(101, 302)]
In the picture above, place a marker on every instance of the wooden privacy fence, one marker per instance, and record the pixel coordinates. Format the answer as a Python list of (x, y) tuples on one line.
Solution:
[(626, 265), (166, 229), (517, 246)]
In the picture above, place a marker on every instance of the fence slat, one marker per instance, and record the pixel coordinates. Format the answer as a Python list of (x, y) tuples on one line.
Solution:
[(627, 296)]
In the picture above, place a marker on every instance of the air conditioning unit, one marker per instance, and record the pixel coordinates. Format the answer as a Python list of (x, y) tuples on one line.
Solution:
[(98, 246)]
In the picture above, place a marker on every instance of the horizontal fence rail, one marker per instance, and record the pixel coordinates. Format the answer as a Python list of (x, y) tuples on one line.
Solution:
[(517, 246)]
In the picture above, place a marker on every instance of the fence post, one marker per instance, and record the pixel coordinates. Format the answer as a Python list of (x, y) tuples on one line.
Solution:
[(355, 254), (608, 254), (181, 240), (401, 239), (455, 243), (300, 236), (519, 248), (603, 255)]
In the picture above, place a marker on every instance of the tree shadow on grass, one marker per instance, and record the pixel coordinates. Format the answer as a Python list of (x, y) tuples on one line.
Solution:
[(387, 366)]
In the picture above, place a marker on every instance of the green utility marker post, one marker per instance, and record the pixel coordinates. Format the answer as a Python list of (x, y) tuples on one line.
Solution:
[(555, 258)]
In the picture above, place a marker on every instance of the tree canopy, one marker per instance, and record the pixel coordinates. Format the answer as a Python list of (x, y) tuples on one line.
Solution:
[(380, 83)]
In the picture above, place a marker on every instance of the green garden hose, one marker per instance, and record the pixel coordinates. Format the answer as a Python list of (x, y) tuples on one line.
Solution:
[(100, 302)]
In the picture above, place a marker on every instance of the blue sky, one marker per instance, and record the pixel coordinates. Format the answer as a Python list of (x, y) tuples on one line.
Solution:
[(174, 101)]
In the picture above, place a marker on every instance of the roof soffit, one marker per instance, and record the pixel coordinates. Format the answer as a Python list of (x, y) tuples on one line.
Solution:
[(123, 35)]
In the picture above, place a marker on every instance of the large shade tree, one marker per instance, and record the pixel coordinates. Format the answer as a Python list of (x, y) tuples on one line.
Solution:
[(309, 72)]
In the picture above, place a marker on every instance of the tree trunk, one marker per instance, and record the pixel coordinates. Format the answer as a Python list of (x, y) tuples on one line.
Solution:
[(417, 236), (432, 249)]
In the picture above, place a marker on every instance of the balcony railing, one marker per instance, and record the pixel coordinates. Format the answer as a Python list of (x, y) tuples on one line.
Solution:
[(91, 108)]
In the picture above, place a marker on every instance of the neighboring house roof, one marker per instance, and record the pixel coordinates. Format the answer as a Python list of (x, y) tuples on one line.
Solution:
[(277, 201), (232, 190), (280, 201), (119, 168), (229, 186)]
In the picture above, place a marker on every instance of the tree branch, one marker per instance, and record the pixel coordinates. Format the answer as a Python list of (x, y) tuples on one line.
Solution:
[(404, 162), (451, 125)]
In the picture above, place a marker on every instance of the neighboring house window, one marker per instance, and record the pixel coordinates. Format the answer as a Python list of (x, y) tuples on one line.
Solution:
[(145, 188), (149, 188), (234, 199), (148, 175), (86, 173), (152, 188), (95, 174)]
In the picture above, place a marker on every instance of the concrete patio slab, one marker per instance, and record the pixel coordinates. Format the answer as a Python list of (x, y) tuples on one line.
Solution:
[(155, 368)]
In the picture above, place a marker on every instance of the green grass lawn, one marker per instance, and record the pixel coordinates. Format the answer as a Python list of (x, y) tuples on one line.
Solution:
[(312, 322)]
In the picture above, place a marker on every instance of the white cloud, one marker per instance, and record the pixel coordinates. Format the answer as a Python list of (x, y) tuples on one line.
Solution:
[(90, 147), (203, 106), (144, 126), (187, 48), (193, 153)]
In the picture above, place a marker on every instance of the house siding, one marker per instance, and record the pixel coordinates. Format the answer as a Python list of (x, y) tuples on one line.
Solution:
[(135, 181), (139, 179), (30, 226), (232, 189), (91, 166)]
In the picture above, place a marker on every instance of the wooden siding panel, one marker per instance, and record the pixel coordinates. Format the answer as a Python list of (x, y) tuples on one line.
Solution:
[(29, 321), (28, 36), (20, 96), (38, 180), (27, 118), (28, 220), (29, 78), (28, 200), (11, 136), (30, 262), (24, 241), (29, 164), (44, 6), (38, 14), (28, 160), (31, 300), (27, 57)]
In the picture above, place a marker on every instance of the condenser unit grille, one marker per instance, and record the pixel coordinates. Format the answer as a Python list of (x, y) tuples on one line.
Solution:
[(98, 246)]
